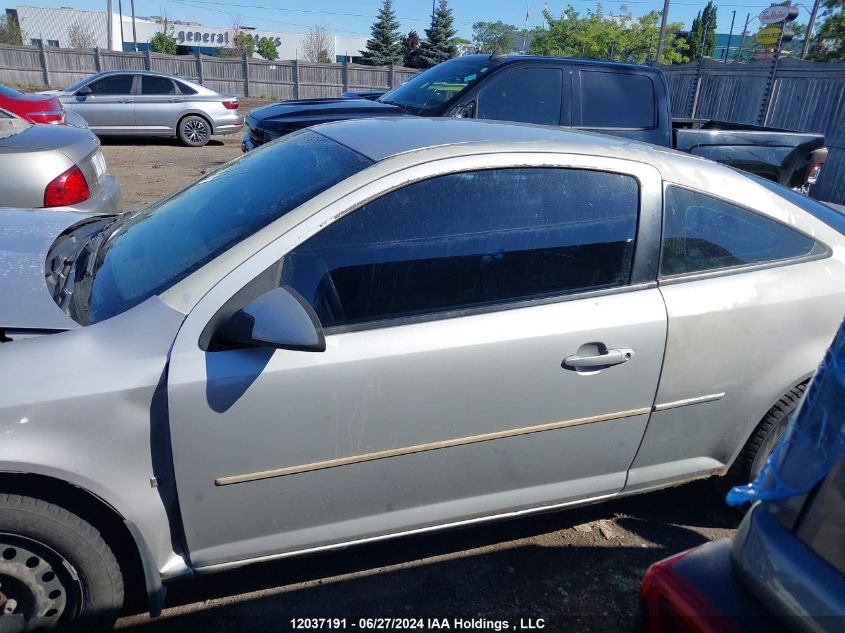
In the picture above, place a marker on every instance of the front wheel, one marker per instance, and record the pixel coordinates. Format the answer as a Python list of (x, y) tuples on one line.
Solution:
[(55, 568), (194, 131)]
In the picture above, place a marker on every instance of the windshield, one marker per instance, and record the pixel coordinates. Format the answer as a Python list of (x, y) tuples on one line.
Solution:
[(152, 249), (77, 85), (830, 216), (429, 90)]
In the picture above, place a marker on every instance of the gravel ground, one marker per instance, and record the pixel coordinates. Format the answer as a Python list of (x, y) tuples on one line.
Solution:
[(578, 570)]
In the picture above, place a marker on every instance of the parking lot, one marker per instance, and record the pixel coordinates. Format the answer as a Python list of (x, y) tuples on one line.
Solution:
[(577, 570)]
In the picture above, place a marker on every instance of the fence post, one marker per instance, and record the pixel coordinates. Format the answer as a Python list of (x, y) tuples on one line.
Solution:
[(345, 74), (98, 59), (390, 76), (295, 73), (695, 89), (199, 66), (148, 59), (45, 68), (246, 74)]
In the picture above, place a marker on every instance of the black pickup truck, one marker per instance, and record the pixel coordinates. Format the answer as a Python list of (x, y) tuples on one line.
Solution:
[(607, 97)]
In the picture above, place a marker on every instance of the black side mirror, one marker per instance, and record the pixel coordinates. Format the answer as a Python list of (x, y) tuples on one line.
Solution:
[(280, 318), (84, 91)]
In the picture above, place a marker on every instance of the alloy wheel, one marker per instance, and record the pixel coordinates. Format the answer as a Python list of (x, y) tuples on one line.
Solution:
[(196, 131)]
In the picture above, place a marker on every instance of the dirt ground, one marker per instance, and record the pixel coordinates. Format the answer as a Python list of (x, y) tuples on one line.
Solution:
[(577, 570)]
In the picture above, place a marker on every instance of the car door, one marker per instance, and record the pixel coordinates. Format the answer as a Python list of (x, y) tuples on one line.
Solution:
[(158, 105), (110, 107), (493, 345)]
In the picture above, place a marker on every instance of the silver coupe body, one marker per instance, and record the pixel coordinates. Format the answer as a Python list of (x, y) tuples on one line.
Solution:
[(386, 326)]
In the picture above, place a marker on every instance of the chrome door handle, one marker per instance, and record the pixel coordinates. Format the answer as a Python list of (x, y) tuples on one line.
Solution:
[(610, 357), (123, 100)]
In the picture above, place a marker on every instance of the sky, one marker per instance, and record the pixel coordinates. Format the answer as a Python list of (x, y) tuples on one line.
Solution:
[(355, 18)]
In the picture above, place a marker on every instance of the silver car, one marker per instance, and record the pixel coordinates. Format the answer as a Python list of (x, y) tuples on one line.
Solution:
[(383, 327), (136, 102), (54, 166)]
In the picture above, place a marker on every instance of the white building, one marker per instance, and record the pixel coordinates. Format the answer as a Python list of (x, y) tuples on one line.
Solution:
[(55, 27)]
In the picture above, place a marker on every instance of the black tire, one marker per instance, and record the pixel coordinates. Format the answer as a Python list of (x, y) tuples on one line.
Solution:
[(71, 567), (759, 446), (194, 131)]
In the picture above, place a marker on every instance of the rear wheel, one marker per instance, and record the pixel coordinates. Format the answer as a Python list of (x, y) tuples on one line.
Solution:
[(762, 442), (194, 131), (55, 568)]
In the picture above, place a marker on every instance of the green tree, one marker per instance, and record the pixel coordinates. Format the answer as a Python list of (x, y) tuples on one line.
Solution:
[(829, 42), (163, 41), (438, 46), (10, 31), (267, 49), (384, 46), (702, 37), (242, 43), (597, 36), (490, 37)]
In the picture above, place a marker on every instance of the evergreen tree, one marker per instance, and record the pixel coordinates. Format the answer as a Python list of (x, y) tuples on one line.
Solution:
[(702, 36), (439, 46), (384, 47)]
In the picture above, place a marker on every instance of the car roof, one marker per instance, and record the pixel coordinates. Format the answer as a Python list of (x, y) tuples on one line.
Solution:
[(514, 58), (133, 71), (380, 138)]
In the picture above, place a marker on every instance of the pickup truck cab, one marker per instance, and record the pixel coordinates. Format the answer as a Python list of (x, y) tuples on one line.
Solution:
[(625, 100)]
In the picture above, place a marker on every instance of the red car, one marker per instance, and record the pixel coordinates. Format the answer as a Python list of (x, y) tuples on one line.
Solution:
[(34, 108)]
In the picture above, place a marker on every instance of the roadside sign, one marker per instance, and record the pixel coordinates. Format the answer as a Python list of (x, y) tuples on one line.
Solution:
[(778, 13), (768, 36)]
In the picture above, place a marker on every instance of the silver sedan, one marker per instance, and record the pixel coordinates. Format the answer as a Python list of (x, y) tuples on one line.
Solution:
[(54, 166), (122, 102), (381, 327)]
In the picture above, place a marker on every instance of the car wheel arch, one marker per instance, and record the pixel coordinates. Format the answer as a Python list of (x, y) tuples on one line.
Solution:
[(198, 113), (121, 534)]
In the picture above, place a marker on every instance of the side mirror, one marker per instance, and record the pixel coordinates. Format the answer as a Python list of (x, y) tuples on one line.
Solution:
[(280, 318), (465, 111), (84, 91)]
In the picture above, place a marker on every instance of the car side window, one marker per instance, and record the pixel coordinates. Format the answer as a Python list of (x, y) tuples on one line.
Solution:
[(184, 89), (152, 85), (112, 85), (617, 100), (468, 240), (702, 233), (526, 95)]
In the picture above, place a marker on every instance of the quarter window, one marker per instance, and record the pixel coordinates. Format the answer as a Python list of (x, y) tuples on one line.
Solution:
[(702, 233), (152, 85), (113, 85), (467, 240), (528, 95)]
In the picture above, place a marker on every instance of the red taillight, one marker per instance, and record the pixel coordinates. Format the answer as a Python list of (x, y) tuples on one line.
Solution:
[(68, 188), (670, 604), (231, 105), (54, 117), (813, 172)]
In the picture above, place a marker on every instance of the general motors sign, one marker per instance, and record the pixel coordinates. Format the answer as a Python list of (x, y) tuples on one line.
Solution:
[(214, 37)]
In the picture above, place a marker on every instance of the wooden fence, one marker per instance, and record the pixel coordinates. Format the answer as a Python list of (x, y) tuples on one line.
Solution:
[(790, 94), (48, 67)]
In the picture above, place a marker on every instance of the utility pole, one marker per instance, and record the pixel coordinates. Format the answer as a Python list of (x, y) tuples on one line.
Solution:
[(810, 26), (134, 35), (109, 25), (120, 15), (742, 41), (730, 36), (662, 39)]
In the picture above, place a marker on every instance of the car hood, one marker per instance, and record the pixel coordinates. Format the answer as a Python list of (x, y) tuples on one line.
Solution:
[(314, 111), (25, 239)]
